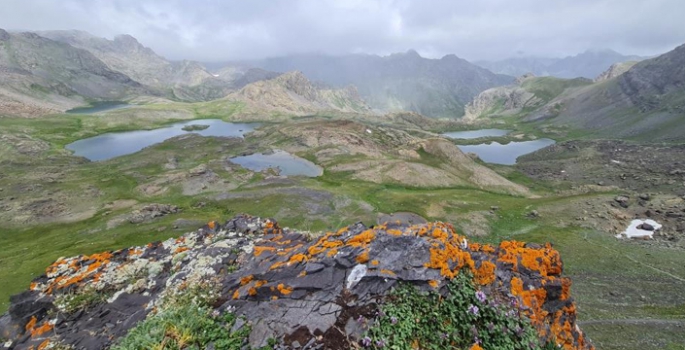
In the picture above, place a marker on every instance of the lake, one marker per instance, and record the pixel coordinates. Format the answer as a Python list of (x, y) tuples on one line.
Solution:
[(474, 134), (110, 145), (505, 154), (97, 107), (289, 164)]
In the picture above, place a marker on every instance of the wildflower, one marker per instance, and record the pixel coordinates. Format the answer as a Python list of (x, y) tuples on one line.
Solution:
[(443, 336), (380, 343), (361, 319), (216, 313), (366, 342), (393, 320), (481, 296), (473, 309)]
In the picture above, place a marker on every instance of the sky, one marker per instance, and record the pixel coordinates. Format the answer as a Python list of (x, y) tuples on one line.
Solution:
[(213, 30)]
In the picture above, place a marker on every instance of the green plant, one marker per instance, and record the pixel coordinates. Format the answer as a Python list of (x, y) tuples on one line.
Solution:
[(465, 317), (185, 327), (85, 299)]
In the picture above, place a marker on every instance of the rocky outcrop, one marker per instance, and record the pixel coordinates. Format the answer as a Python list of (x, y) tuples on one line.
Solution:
[(293, 93), (504, 100), (615, 70), (301, 292)]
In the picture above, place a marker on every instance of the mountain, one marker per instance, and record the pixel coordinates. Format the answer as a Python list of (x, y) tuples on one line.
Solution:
[(588, 64), (42, 76), (293, 93), (646, 102), (615, 70), (404, 81), (183, 80)]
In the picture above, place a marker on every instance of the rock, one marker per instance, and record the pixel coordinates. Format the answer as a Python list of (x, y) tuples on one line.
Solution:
[(622, 201), (494, 208), (152, 211), (289, 287), (533, 214), (645, 226), (198, 170), (644, 196)]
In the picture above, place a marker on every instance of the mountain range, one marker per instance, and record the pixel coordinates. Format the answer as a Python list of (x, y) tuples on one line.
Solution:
[(643, 100), (403, 81), (588, 64)]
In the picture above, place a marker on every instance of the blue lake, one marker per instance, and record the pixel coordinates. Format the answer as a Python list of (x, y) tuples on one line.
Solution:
[(98, 107), (497, 153), (287, 163), (110, 145)]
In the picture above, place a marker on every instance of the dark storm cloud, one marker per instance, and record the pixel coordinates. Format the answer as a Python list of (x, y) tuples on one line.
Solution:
[(484, 29)]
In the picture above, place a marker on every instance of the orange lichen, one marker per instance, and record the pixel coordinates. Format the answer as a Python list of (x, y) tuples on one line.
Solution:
[(180, 250), (331, 253), (285, 290), (485, 274), (475, 347), (302, 274), (236, 294), (277, 264), (363, 257), (565, 288), (44, 328), (298, 258), (394, 232), (362, 239), (43, 345), (252, 291), (387, 272), (211, 225), (260, 283), (375, 262), (245, 280), (33, 286), (258, 250), (433, 283), (32, 323)]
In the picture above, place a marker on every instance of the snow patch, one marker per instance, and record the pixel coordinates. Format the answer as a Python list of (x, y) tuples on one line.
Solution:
[(634, 232)]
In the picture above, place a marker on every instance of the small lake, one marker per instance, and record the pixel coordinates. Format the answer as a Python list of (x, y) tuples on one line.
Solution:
[(289, 164), (505, 154), (474, 134), (110, 145), (97, 107)]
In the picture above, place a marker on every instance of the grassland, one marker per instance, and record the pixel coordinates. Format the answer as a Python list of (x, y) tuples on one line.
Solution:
[(621, 287)]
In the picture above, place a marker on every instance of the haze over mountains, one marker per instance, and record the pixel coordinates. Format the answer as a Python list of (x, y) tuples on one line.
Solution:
[(588, 64), (403, 81), (644, 100), (53, 71)]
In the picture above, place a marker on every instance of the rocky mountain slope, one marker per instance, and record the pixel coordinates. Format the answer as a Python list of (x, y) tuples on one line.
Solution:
[(188, 80), (40, 76), (293, 93), (250, 282), (645, 102), (615, 70), (404, 81), (588, 64)]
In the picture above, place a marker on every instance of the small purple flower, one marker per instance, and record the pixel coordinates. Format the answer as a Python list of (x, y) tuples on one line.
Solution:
[(380, 343), (361, 319), (393, 320), (443, 336), (476, 340), (513, 302), (380, 313), (366, 342), (473, 309), (481, 296), (511, 313), (216, 313)]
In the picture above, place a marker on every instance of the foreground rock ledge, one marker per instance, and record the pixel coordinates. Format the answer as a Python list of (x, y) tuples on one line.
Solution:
[(289, 287)]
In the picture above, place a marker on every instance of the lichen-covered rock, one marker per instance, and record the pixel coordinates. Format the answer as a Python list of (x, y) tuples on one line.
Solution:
[(288, 287)]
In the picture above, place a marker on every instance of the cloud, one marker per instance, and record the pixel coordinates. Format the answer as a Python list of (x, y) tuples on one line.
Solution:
[(213, 30)]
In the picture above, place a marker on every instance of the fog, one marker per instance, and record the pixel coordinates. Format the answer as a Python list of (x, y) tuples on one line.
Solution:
[(209, 30)]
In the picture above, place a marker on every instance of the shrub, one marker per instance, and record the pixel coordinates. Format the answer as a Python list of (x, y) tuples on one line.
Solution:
[(464, 319)]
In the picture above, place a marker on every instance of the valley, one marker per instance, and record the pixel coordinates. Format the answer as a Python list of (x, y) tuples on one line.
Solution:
[(527, 162)]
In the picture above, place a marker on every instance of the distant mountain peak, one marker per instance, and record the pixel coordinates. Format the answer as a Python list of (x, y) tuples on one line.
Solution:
[(412, 53), (4, 35)]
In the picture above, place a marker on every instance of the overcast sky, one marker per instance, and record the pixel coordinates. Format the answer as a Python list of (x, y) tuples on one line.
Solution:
[(213, 30)]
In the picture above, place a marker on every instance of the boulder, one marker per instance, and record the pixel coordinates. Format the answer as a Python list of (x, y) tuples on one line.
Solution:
[(302, 292)]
